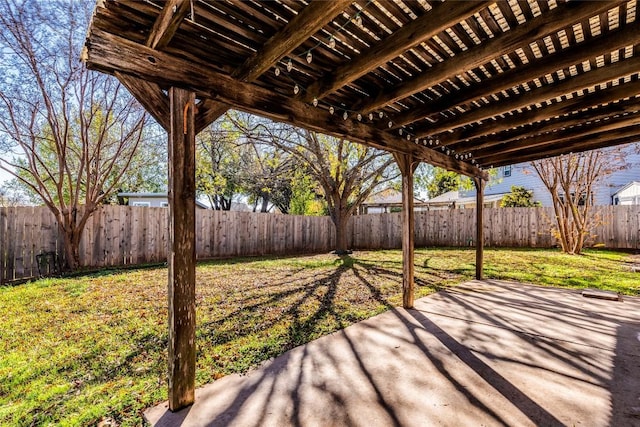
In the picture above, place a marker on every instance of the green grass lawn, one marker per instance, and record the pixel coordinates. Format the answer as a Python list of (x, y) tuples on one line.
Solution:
[(79, 350)]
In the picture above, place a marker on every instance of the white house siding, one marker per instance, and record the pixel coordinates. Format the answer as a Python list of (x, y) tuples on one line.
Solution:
[(523, 175), (629, 195), (154, 202)]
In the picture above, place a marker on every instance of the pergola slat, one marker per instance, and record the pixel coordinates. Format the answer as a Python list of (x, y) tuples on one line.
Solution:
[(583, 81), (561, 136), (561, 17), (628, 35), (551, 125), (608, 139), (435, 21), (465, 136)]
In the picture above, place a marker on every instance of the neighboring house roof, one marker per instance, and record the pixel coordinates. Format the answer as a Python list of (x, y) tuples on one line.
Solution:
[(487, 199), (387, 198), (155, 196), (240, 207), (454, 197), (626, 187), (448, 197), (143, 195)]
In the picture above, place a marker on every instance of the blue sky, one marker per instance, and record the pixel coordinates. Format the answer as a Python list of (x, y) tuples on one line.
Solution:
[(4, 176)]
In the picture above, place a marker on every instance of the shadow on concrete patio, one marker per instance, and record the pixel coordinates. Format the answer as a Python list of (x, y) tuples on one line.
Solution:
[(482, 353)]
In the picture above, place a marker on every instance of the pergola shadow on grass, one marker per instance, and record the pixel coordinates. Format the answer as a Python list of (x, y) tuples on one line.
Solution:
[(464, 85)]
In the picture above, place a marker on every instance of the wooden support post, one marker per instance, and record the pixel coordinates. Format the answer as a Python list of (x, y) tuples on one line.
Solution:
[(407, 164), (182, 250), (479, 226)]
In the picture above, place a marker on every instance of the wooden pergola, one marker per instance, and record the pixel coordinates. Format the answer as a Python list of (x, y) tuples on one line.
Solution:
[(464, 85)]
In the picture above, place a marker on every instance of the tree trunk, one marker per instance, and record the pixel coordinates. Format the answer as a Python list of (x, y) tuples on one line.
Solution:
[(71, 252), (340, 220), (265, 204)]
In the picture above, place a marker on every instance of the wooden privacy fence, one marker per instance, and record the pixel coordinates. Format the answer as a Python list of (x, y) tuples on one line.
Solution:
[(123, 235)]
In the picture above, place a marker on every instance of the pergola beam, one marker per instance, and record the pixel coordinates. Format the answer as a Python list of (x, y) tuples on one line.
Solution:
[(628, 35), (630, 106), (150, 95), (464, 138), (586, 80), (438, 19), (110, 52), (167, 23), (208, 111), (303, 26), (540, 141), (561, 17), (578, 144), (296, 32)]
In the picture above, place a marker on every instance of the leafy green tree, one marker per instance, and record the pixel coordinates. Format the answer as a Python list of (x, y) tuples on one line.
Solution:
[(219, 163), (519, 197), (438, 181), (267, 178), (305, 199), (442, 181)]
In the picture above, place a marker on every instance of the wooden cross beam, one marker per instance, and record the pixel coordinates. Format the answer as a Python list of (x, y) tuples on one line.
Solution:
[(463, 138), (441, 17), (628, 35), (150, 95), (561, 17), (586, 80), (618, 109), (167, 23), (564, 135), (110, 52), (309, 21), (297, 31), (583, 143), (304, 25)]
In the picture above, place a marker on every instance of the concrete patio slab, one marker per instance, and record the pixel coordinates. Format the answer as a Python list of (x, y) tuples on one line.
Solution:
[(485, 353)]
